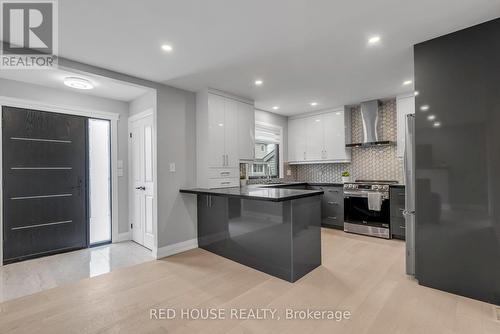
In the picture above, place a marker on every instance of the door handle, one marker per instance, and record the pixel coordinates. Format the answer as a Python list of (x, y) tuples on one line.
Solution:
[(140, 188), (79, 186), (333, 203)]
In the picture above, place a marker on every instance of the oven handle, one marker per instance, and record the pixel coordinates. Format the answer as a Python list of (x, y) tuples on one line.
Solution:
[(363, 194)]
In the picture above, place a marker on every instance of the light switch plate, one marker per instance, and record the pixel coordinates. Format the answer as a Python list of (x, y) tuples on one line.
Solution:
[(172, 167), (119, 164), (288, 172), (120, 172)]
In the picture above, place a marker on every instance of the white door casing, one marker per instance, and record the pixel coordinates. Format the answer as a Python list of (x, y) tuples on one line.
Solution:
[(142, 180)]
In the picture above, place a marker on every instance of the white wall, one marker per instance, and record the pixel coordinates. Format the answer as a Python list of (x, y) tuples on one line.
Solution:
[(21, 90), (176, 142), (143, 103)]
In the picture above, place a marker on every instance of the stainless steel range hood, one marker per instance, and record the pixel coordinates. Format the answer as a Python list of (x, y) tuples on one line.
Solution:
[(370, 117)]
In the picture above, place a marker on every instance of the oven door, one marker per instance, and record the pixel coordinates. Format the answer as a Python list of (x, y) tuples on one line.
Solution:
[(356, 212)]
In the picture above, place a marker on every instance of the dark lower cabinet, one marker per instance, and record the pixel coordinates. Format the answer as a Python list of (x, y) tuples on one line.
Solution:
[(332, 206), (397, 204)]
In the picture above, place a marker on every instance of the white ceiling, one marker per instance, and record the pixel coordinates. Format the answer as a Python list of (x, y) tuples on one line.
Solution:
[(304, 50), (103, 87)]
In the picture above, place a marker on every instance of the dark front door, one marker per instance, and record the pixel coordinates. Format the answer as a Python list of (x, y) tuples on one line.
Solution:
[(44, 183)]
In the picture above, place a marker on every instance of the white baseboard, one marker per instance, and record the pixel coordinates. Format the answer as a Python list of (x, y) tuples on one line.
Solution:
[(180, 247), (124, 236)]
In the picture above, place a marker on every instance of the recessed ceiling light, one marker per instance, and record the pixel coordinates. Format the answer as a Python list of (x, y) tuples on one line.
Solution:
[(313, 104), (373, 40), (338, 113), (78, 83), (258, 82), (416, 93), (167, 47), (436, 124), (276, 107), (407, 82), (425, 107), (431, 117)]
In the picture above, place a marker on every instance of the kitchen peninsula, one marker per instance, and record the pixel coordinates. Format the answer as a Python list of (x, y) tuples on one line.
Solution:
[(273, 230)]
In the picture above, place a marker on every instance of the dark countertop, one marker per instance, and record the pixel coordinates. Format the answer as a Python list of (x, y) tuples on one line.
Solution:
[(273, 194), (397, 185)]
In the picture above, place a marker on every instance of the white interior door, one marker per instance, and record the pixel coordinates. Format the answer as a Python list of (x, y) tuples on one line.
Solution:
[(142, 182)]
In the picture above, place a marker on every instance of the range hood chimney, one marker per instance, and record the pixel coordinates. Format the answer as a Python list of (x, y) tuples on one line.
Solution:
[(369, 117)]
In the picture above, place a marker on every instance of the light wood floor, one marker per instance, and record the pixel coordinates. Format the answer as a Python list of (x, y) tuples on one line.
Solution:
[(362, 275)]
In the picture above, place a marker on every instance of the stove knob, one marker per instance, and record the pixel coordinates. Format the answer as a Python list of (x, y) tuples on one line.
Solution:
[(375, 187), (386, 187)]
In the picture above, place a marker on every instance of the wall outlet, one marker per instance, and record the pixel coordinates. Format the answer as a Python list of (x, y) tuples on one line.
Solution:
[(288, 172), (172, 167)]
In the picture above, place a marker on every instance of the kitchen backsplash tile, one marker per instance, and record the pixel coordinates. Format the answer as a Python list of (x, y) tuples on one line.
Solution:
[(374, 163)]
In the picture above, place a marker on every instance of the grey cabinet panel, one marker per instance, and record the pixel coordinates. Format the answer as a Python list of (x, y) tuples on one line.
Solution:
[(457, 220), (398, 227), (397, 204)]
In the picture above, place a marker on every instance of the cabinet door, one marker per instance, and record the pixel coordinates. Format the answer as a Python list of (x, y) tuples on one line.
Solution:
[(314, 138), (296, 140), (246, 131), (216, 125), (404, 106), (231, 133), (334, 130), (333, 207)]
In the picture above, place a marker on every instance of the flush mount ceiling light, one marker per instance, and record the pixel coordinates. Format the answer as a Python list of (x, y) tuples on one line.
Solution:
[(374, 40), (436, 124), (431, 117), (258, 82), (167, 47), (313, 104), (276, 107), (416, 93), (425, 107), (78, 83), (407, 82)]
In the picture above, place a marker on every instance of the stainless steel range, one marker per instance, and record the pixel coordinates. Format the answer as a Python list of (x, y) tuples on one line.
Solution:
[(366, 208)]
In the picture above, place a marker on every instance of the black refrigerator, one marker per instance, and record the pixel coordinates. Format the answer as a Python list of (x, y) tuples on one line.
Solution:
[(457, 162)]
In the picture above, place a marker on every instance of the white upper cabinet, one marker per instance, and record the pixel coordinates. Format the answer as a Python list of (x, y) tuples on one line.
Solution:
[(314, 138), (231, 133), (296, 139), (225, 134), (246, 131), (216, 129), (336, 131), (405, 105), (319, 138)]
